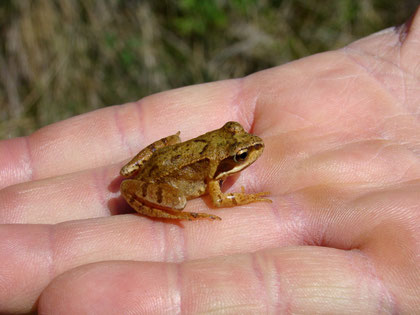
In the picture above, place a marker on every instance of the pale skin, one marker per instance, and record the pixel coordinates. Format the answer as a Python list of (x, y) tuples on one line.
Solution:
[(341, 161)]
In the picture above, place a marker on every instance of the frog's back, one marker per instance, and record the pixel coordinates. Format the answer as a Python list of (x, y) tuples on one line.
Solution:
[(211, 146), (168, 160)]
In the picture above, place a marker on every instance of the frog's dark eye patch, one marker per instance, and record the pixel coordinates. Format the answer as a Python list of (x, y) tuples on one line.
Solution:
[(225, 166)]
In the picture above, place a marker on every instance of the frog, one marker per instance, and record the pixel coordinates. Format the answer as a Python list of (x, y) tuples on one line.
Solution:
[(163, 176)]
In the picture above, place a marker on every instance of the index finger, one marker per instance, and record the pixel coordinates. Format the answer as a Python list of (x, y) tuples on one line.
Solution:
[(116, 133)]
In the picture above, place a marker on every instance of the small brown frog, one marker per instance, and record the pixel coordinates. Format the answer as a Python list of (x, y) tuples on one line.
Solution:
[(169, 172)]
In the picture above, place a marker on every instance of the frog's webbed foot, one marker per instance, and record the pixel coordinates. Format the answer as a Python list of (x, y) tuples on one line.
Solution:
[(233, 199), (138, 161)]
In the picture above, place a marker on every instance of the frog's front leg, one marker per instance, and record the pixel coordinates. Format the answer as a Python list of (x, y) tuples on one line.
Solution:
[(158, 200), (233, 199), (137, 162)]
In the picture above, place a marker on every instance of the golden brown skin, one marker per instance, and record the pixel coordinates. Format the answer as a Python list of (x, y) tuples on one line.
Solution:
[(169, 172)]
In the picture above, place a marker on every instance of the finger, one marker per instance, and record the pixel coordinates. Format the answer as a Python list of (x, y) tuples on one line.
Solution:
[(86, 194), (42, 252), (116, 133), (304, 280), (95, 192), (81, 195), (385, 231), (26, 266)]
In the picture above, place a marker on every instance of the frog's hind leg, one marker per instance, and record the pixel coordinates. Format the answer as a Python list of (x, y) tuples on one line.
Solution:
[(158, 200), (137, 162), (153, 195), (159, 213)]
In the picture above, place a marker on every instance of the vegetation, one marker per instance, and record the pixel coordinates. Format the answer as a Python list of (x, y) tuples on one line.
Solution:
[(61, 58)]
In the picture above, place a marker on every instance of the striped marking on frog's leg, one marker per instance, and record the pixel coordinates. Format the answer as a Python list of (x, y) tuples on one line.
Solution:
[(160, 213), (138, 161), (160, 195)]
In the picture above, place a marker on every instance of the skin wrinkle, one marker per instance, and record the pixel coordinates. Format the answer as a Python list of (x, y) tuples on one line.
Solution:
[(328, 121), (338, 147), (255, 179), (322, 124), (387, 118), (256, 267), (290, 131), (380, 150), (165, 248), (233, 309), (403, 76), (121, 131), (173, 289), (52, 248), (365, 195), (343, 112), (28, 160), (99, 176), (316, 234), (402, 115), (405, 172), (182, 248), (158, 237), (347, 101), (394, 187), (235, 104), (347, 92), (343, 77), (178, 289), (329, 183), (185, 245), (255, 110), (319, 238), (138, 107), (311, 124), (369, 268), (283, 303), (296, 228), (346, 51), (174, 253)]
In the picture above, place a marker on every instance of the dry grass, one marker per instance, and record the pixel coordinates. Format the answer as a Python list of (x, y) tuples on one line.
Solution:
[(61, 58)]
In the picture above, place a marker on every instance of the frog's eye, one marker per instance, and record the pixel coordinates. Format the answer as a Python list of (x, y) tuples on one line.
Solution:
[(241, 155)]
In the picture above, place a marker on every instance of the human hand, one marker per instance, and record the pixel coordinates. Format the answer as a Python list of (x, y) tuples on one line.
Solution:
[(341, 161)]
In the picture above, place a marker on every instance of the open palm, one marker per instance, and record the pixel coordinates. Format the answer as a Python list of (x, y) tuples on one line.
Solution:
[(342, 163)]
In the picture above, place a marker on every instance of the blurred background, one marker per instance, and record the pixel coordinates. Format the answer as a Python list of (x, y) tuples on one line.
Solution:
[(62, 58)]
